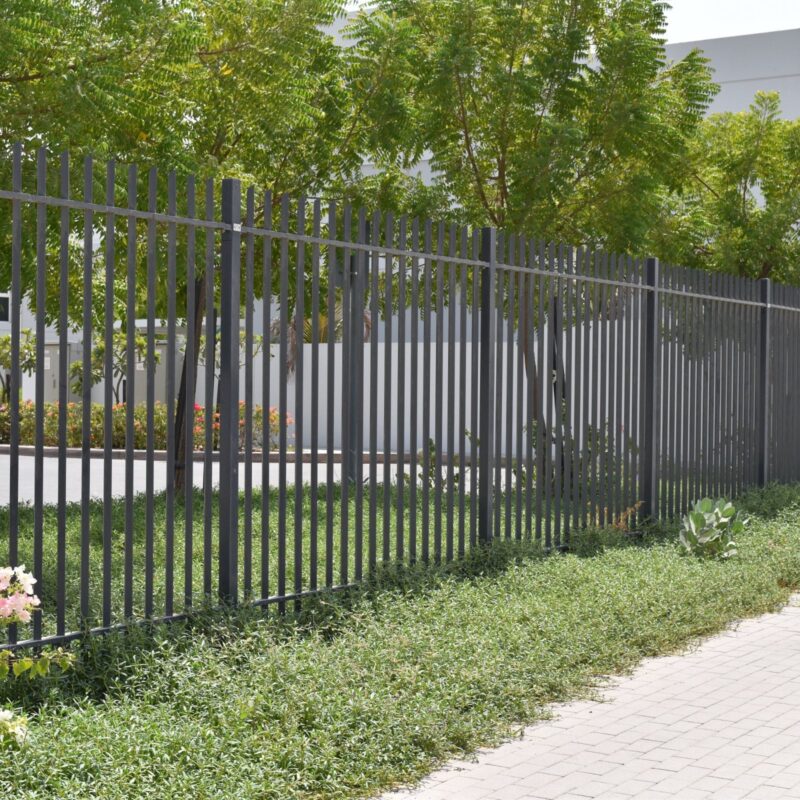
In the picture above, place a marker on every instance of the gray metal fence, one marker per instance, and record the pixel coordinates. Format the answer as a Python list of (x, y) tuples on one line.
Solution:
[(481, 385)]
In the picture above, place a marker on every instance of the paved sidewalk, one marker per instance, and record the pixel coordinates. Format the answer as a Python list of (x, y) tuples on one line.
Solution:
[(722, 721)]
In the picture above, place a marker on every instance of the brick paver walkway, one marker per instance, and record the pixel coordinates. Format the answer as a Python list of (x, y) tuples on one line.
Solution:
[(722, 721)]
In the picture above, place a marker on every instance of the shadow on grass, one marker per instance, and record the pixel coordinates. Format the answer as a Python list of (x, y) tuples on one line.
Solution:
[(103, 663)]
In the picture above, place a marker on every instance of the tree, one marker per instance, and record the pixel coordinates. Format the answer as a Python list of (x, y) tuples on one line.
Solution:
[(738, 207), (549, 116), (240, 88), (119, 362), (27, 360)]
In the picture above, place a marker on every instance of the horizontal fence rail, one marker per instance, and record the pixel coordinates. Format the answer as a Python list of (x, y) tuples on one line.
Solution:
[(218, 393)]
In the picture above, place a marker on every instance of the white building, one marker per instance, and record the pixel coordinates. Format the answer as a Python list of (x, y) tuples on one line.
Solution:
[(744, 65)]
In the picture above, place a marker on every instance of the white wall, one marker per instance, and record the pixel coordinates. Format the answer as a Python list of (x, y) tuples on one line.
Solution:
[(744, 65)]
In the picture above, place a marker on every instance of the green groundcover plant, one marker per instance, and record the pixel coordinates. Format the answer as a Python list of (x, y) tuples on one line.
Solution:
[(365, 691)]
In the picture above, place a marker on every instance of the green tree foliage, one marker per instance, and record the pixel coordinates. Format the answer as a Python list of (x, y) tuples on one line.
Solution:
[(551, 116), (238, 88), (27, 360), (739, 206), (119, 362)]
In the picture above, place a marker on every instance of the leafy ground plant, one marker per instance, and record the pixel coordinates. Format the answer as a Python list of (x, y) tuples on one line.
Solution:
[(710, 528), (255, 707)]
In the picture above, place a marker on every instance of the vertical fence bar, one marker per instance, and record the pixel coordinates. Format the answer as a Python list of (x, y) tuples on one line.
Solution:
[(189, 415), (542, 432), (315, 311), (108, 382), (487, 387), (715, 415), (627, 382), (387, 392), (727, 388), (283, 354), (650, 388), (574, 383), (357, 392), (475, 351), (86, 387), (588, 329), (499, 290), (209, 413), (402, 264), (603, 431), (619, 387), (266, 389), (169, 522), (131, 357), (595, 434), (708, 377), (532, 379), (344, 540), (374, 313), (413, 396), (557, 337), (462, 397), (508, 387), (569, 394), (685, 329), (299, 399), (696, 391), (520, 370), (680, 422), (664, 419), (451, 379), (16, 377), (229, 392), (152, 187), (438, 380), (764, 383), (426, 397), (249, 357), (330, 394), (63, 324), (41, 272)]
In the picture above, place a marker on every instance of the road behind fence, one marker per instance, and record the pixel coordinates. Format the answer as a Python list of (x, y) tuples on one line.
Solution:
[(521, 389)]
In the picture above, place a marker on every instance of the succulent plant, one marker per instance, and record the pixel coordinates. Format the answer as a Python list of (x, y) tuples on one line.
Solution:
[(710, 528)]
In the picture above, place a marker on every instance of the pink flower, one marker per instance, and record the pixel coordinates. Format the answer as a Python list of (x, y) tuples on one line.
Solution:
[(6, 574)]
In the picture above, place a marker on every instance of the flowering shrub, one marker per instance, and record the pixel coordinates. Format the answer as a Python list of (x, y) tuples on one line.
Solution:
[(17, 600), (74, 425), (17, 604), (13, 730)]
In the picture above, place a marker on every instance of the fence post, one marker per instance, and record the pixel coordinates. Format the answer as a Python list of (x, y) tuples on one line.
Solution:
[(229, 392), (649, 460), (487, 387), (765, 381)]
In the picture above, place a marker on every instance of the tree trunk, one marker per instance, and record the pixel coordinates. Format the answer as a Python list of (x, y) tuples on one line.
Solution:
[(185, 446)]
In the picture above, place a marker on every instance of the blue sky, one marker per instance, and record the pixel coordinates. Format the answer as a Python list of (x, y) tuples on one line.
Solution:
[(711, 19)]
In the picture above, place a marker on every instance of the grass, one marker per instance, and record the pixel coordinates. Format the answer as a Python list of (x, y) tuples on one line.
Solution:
[(203, 558), (373, 689)]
